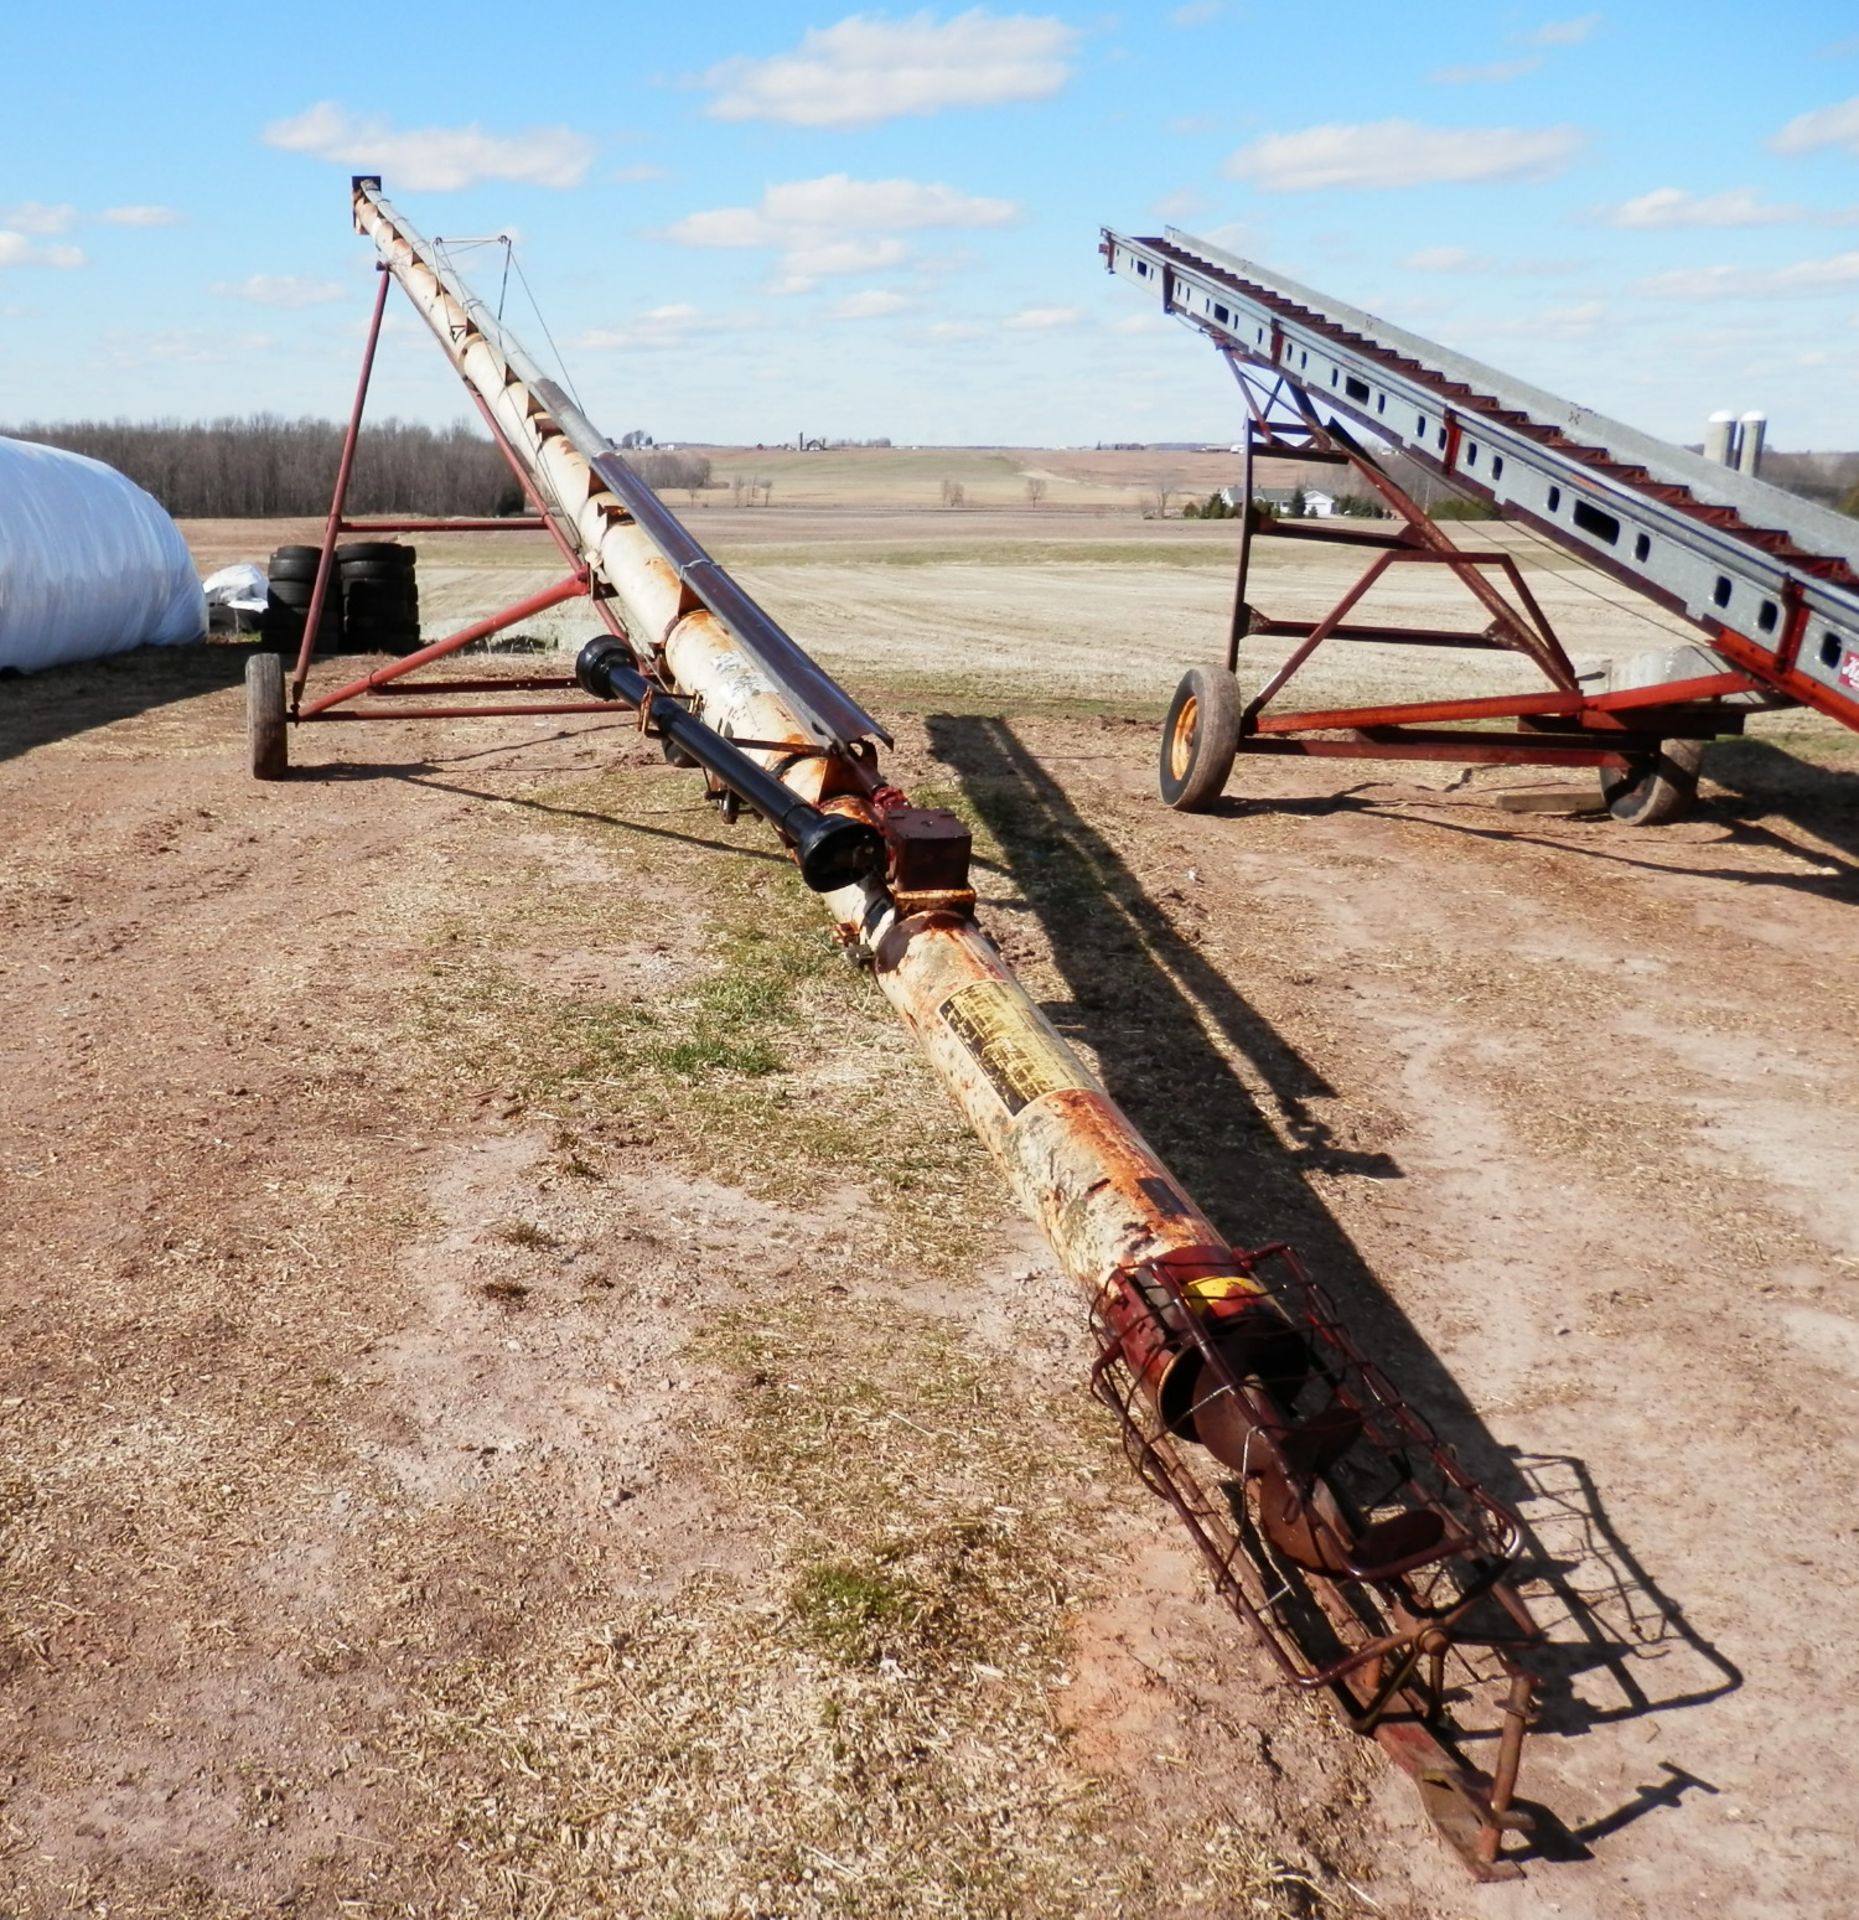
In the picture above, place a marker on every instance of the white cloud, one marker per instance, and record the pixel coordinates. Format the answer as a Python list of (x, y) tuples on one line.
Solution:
[(638, 174), (1674, 207), (1575, 322), (1836, 275), (1402, 153), (35, 216), (1492, 73), (1179, 206), (1042, 319), (954, 330), (1235, 236), (1825, 127), (667, 326), (837, 225), (1443, 260), (880, 206), (1449, 259), (16, 250), (1141, 323), (1563, 33), (868, 68), (434, 159), (802, 268), (874, 303), (139, 217), (287, 290), (1196, 13), (185, 346)]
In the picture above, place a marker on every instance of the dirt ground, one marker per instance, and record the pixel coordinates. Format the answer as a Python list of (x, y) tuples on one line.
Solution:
[(521, 1399)]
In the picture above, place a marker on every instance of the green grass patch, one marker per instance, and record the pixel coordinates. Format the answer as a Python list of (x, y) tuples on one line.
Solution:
[(847, 1610), (778, 1065)]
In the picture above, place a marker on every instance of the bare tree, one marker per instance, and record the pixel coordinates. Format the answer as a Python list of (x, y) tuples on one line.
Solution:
[(1161, 490), (1035, 490), (953, 493), (264, 464)]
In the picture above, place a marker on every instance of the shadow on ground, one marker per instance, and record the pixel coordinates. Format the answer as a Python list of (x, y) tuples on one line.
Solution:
[(39, 708), (1762, 780), (1150, 1003)]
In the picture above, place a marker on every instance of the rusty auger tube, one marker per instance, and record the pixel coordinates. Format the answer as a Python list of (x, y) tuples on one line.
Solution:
[(1334, 1520)]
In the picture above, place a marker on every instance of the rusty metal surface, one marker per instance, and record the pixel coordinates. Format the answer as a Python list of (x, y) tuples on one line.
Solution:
[(326, 562), (505, 523), (1723, 549), (1369, 1562), (1281, 419), (1240, 1409), (569, 589)]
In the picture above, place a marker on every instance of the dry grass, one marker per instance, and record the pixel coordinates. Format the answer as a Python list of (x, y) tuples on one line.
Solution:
[(863, 1711), (779, 1066)]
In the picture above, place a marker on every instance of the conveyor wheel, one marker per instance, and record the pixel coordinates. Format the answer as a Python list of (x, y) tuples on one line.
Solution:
[(1199, 739), (264, 716), (1650, 795)]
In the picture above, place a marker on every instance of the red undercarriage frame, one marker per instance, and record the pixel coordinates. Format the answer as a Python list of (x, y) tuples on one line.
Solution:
[(1563, 727), (386, 681)]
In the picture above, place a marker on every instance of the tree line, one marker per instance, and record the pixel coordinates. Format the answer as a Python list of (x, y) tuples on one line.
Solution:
[(261, 465)]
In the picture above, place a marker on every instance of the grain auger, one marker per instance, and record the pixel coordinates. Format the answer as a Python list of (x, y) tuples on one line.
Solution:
[(1333, 1519)]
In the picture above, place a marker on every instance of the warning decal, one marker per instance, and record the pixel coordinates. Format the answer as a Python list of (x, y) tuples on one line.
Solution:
[(1011, 1045)]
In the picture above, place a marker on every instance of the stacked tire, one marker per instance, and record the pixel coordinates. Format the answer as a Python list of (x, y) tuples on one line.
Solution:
[(291, 580), (380, 597)]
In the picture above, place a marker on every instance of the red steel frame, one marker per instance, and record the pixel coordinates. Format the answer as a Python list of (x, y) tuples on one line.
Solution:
[(1565, 727), (577, 583)]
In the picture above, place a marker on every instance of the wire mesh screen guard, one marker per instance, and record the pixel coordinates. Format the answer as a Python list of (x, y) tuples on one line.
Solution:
[(1335, 1521)]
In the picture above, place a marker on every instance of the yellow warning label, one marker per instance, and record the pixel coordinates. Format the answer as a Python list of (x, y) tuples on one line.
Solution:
[(1011, 1044)]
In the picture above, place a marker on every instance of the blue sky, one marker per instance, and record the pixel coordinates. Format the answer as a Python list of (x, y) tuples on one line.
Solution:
[(745, 221)]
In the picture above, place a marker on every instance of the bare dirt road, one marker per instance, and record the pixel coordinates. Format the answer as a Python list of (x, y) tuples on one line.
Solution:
[(520, 1398)]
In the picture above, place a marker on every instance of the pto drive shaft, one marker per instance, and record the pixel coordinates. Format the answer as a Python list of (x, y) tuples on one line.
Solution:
[(830, 850)]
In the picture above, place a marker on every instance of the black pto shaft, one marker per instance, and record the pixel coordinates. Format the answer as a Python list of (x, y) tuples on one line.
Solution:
[(830, 850)]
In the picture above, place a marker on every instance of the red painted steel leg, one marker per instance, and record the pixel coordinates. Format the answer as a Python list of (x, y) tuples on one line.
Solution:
[(326, 565), (1318, 634), (1237, 631), (568, 589)]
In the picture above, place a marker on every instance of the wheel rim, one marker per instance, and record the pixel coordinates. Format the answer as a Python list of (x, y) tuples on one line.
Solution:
[(1181, 741)]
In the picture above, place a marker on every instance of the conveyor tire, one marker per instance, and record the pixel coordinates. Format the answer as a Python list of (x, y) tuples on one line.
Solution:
[(294, 563), (1651, 796), (265, 733), (1199, 739), (368, 603)]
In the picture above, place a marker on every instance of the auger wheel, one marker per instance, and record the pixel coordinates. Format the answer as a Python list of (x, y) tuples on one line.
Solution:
[(1199, 739), (1656, 791)]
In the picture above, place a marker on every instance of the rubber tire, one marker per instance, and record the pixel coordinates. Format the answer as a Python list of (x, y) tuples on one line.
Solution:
[(267, 738), (378, 593), (1199, 739), (376, 553), (1652, 796), (294, 563), (298, 594), (377, 574)]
